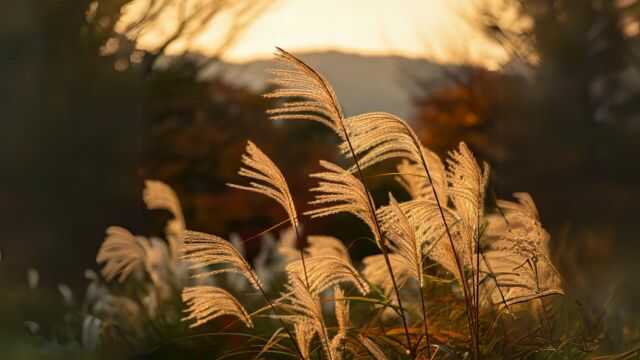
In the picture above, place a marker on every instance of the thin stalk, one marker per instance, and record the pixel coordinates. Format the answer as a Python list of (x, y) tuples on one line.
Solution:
[(504, 300), (475, 280), (340, 121), (448, 231), (473, 293), (477, 277), (393, 173), (383, 246), (273, 308), (304, 264), (296, 228), (396, 290), (306, 277), (426, 326), (264, 294), (294, 223), (484, 259), (418, 260), (368, 300), (272, 227), (325, 334)]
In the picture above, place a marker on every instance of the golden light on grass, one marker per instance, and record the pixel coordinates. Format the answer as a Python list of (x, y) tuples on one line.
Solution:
[(495, 259)]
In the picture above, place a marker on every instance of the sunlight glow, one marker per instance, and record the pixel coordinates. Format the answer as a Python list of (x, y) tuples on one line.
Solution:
[(434, 29)]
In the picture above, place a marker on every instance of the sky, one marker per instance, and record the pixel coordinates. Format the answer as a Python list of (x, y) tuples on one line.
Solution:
[(433, 29)]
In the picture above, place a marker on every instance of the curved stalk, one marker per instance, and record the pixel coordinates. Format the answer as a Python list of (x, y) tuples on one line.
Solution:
[(383, 244), (424, 314), (284, 326), (465, 288), (301, 249)]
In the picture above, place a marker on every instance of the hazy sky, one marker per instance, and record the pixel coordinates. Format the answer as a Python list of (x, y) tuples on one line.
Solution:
[(429, 28)]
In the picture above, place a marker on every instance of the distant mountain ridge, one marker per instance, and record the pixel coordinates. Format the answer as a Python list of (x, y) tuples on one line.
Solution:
[(363, 83)]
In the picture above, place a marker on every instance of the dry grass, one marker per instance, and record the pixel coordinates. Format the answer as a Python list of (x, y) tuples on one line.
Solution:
[(448, 201), (454, 278)]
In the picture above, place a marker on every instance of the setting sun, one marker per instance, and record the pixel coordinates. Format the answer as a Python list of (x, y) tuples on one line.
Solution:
[(438, 30)]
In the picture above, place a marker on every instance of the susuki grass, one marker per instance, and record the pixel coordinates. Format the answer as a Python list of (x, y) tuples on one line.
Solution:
[(457, 276)]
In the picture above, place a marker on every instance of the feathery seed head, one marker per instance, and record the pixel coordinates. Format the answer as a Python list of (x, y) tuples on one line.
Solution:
[(205, 303), (122, 253), (159, 196), (204, 250), (327, 246), (267, 180), (326, 271), (516, 266), (340, 191), (298, 80)]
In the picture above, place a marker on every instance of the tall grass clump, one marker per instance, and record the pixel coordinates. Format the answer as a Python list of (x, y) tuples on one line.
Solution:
[(457, 276)]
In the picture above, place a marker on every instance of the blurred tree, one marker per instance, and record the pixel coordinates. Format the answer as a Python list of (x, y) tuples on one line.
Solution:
[(154, 26), (71, 137), (572, 118), (464, 108), (197, 134), (582, 95), (74, 121)]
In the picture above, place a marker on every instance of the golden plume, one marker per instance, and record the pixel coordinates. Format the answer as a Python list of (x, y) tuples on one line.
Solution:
[(326, 271), (122, 253), (267, 180), (205, 303), (340, 191), (158, 195), (203, 250), (298, 80)]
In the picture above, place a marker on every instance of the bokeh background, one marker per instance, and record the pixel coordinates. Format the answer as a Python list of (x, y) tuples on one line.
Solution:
[(98, 96)]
